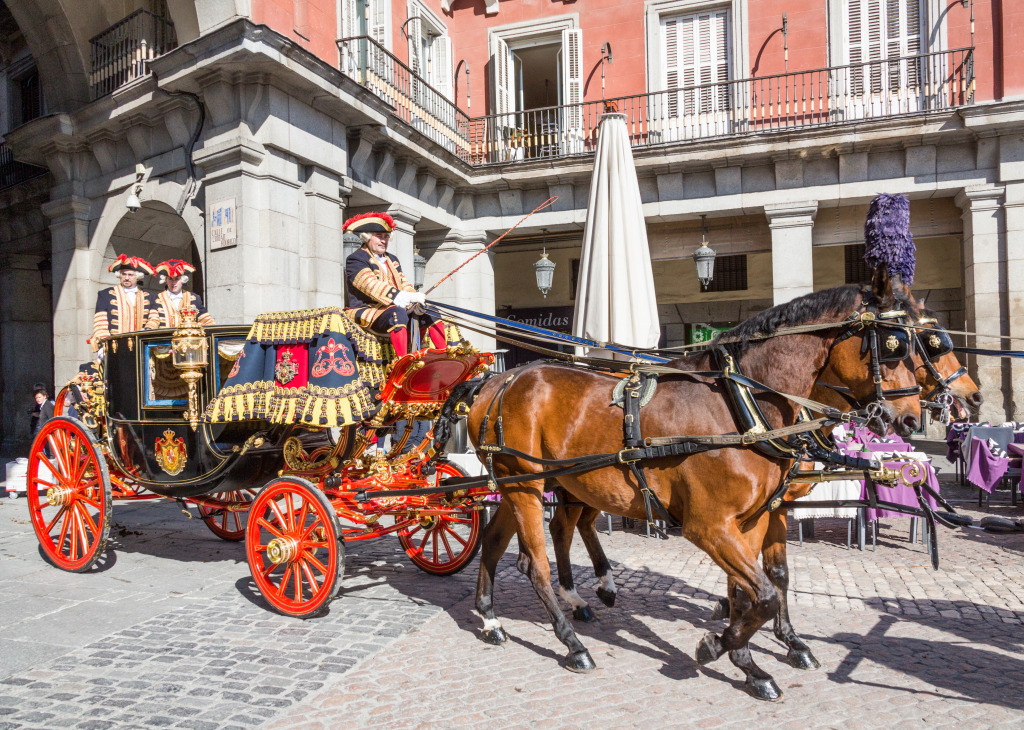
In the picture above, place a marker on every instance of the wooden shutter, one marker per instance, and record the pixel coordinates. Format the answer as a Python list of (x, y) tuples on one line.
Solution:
[(502, 65), (442, 66), (415, 32), (572, 86), (883, 29), (697, 53), (378, 21), (670, 34)]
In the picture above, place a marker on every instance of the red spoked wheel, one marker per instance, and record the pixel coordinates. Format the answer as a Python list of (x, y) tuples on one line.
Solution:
[(69, 494), (444, 543), (227, 525), (295, 548)]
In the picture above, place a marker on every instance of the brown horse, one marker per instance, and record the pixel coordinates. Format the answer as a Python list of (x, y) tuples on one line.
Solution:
[(555, 412), (943, 376)]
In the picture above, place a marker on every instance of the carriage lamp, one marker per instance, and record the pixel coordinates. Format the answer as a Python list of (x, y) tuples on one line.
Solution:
[(704, 256), (189, 353), (419, 268)]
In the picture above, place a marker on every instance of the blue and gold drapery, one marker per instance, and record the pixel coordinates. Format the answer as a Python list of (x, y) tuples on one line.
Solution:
[(337, 372)]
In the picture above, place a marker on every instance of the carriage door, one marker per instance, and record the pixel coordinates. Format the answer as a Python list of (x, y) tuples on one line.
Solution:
[(697, 101), (885, 71)]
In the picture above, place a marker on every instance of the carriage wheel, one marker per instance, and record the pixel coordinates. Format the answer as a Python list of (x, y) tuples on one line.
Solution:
[(444, 544), (295, 548), (227, 525), (69, 494)]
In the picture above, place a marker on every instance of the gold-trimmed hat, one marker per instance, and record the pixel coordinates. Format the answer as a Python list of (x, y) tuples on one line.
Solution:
[(131, 263), (369, 223)]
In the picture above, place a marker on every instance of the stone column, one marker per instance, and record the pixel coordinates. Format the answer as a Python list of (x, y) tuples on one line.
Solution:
[(324, 262), (403, 237), (74, 288), (26, 349), (792, 258), (473, 286), (984, 282), (1013, 208)]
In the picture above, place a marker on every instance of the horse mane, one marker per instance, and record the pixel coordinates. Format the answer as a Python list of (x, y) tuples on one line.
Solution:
[(838, 301)]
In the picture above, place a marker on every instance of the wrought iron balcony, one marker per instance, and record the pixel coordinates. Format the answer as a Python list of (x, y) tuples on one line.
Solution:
[(416, 102), (13, 172), (822, 97), (121, 53)]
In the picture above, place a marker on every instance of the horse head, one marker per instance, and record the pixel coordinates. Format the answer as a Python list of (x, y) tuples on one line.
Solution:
[(945, 384), (870, 365)]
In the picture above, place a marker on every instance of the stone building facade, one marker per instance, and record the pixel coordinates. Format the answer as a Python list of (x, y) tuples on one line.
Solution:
[(250, 129)]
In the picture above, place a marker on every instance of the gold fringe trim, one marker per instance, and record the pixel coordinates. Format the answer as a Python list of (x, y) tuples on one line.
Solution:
[(313, 405)]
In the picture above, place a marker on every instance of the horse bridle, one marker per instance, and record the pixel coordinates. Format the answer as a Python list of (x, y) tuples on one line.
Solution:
[(937, 344), (896, 346)]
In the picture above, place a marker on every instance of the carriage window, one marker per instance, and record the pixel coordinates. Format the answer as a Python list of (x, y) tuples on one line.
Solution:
[(228, 352), (164, 386)]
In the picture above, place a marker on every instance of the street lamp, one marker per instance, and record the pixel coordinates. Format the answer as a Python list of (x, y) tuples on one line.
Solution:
[(544, 268), (704, 256), (419, 269), (45, 267)]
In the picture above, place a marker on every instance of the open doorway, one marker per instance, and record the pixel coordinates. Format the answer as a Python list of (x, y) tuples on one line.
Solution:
[(537, 96)]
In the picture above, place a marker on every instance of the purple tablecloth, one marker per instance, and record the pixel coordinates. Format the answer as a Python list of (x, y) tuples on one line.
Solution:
[(986, 470), (902, 494), (954, 442)]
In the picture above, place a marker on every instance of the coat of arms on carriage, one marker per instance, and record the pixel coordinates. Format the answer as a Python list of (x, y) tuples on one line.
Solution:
[(286, 370), (170, 453)]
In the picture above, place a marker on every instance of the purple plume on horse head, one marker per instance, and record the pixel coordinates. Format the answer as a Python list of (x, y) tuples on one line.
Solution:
[(887, 239)]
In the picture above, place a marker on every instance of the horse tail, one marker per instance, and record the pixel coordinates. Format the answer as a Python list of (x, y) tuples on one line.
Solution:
[(458, 403)]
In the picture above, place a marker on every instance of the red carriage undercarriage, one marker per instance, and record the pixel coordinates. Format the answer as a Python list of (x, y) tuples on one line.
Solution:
[(165, 420)]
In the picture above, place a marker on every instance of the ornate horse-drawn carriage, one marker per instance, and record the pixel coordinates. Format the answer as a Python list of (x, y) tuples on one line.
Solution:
[(205, 417)]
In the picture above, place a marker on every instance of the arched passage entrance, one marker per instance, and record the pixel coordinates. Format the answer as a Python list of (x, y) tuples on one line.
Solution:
[(156, 233)]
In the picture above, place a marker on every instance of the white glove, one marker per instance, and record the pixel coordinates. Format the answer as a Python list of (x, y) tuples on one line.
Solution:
[(417, 297), (404, 299)]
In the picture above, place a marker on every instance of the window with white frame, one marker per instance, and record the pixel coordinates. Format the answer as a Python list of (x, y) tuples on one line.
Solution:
[(696, 53), (430, 48), (879, 34)]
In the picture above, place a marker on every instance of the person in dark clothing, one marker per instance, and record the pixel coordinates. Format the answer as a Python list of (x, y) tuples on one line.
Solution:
[(44, 408)]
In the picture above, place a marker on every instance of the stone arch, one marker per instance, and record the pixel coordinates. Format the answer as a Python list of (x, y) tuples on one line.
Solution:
[(155, 231), (57, 34)]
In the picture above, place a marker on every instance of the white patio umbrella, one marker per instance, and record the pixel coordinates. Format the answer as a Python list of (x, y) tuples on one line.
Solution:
[(615, 295)]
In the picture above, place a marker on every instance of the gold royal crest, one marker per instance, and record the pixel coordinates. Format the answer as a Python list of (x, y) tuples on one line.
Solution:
[(170, 453), (286, 370)]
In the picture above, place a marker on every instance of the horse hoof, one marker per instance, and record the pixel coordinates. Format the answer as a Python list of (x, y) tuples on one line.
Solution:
[(584, 613), (721, 610), (802, 659), (607, 597), (708, 649), (495, 637), (580, 662), (763, 689)]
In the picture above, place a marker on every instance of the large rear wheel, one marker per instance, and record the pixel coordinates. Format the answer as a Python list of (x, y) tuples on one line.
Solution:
[(295, 548), (444, 542), (69, 494), (224, 523)]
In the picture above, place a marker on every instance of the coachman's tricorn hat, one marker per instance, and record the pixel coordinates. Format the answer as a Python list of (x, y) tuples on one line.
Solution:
[(369, 223), (131, 263), (174, 267)]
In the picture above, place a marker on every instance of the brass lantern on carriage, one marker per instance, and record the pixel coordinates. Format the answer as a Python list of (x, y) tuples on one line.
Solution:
[(190, 355)]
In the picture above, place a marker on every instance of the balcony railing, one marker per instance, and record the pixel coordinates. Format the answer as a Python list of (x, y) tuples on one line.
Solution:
[(799, 100), (416, 102), (122, 52), (13, 172)]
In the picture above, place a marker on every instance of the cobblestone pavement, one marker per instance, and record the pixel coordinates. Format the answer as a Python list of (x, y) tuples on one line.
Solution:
[(171, 633)]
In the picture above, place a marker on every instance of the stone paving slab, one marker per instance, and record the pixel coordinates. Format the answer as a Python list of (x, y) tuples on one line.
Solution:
[(170, 633)]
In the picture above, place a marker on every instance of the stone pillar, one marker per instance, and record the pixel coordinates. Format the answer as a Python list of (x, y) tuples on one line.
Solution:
[(473, 286), (792, 258), (403, 237), (323, 261), (984, 284), (26, 347), (1013, 208), (74, 288)]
